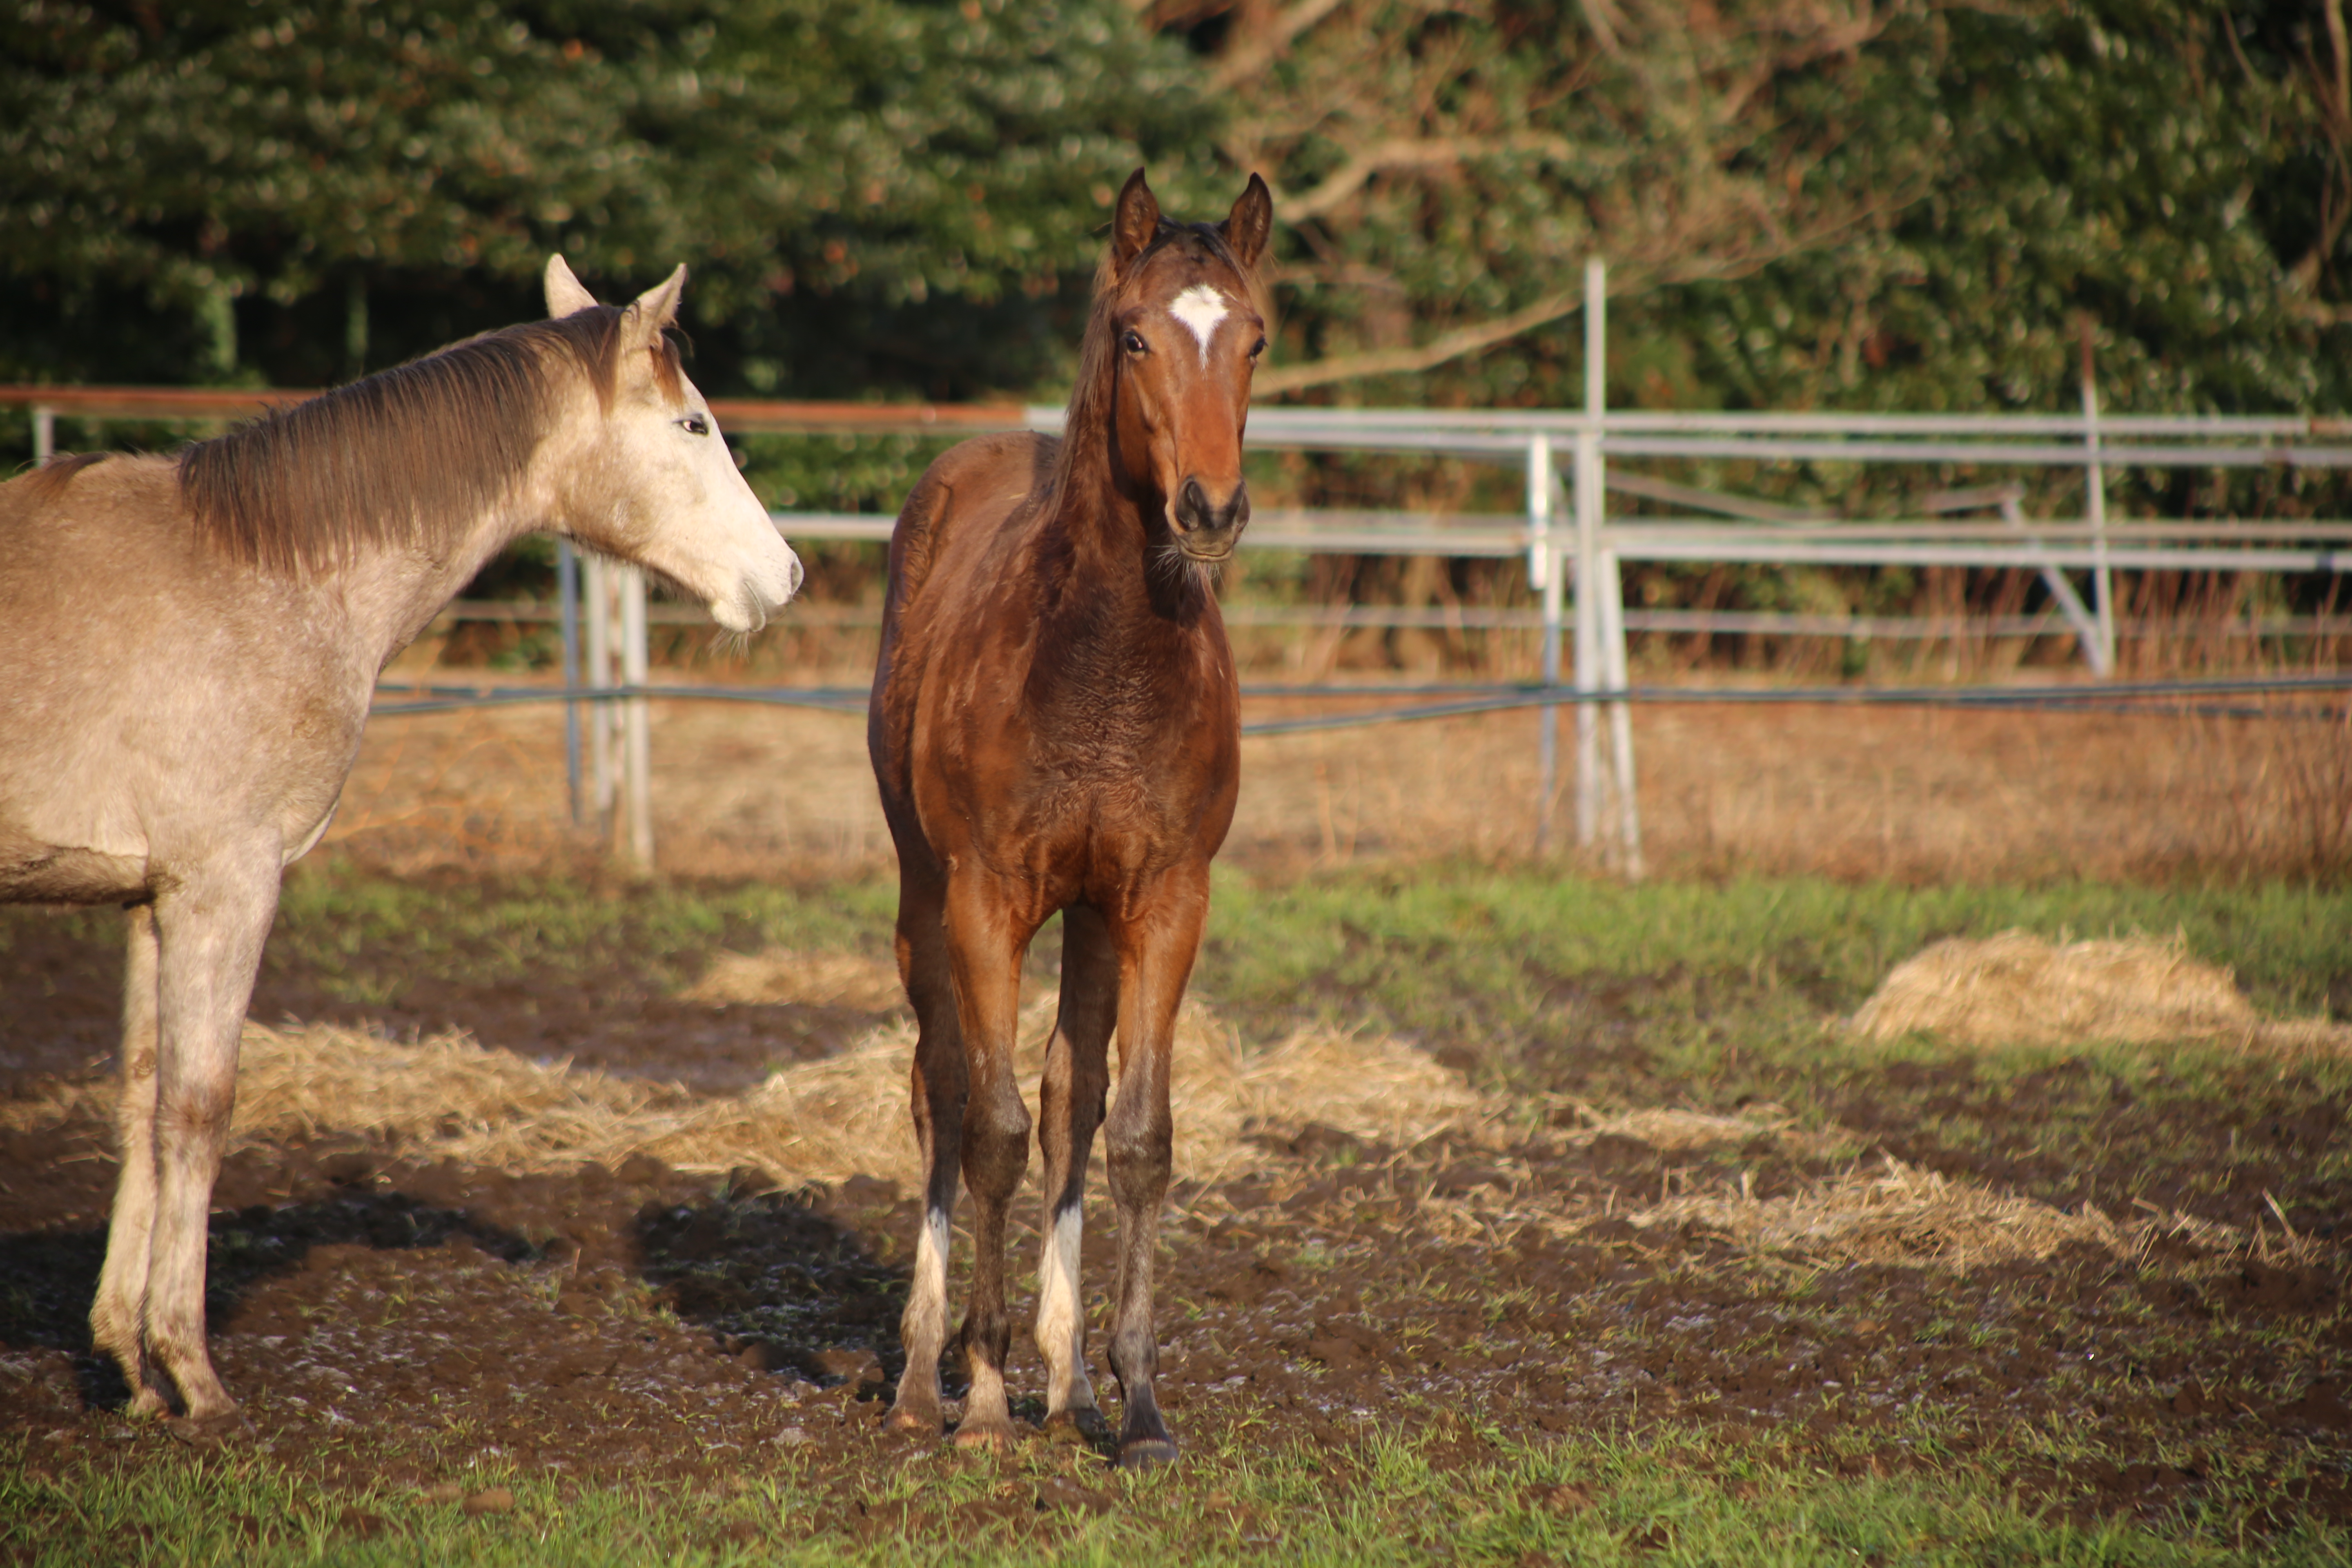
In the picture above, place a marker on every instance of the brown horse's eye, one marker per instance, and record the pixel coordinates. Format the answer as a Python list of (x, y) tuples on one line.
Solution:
[(1257, 348), (1133, 341)]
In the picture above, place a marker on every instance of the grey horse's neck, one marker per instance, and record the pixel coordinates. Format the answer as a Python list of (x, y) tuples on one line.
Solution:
[(392, 594)]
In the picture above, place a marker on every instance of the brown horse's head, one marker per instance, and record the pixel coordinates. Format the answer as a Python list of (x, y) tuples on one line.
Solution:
[(1182, 323)]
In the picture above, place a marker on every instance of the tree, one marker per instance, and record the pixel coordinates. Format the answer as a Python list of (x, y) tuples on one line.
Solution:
[(299, 189), (1447, 167)]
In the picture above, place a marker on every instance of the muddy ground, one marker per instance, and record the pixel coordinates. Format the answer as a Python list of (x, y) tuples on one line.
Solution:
[(422, 1325)]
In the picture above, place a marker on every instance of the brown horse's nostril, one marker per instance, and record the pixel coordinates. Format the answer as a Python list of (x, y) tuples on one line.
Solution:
[(1196, 513)]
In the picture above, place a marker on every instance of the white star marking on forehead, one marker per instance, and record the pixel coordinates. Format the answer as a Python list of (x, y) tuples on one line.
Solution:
[(1200, 308)]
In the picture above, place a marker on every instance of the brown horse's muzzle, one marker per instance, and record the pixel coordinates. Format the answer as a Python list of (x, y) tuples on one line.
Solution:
[(1207, 530)]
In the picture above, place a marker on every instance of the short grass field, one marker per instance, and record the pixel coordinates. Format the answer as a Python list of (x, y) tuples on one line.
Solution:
[(1534, 1344)]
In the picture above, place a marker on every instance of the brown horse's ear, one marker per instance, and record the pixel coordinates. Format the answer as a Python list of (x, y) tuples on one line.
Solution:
[(566, 295), (1135, 221), (1246, 227), (656, 308)]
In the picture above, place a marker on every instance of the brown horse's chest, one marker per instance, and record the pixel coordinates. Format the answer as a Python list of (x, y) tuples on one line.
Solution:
[(1070, 780)]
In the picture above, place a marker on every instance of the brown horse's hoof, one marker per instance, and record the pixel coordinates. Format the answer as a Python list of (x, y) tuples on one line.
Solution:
[(214, 1431), (991, 1436), (1146, 1453), (1083, 1426)]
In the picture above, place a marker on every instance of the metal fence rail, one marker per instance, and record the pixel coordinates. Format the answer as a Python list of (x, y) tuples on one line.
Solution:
[(1564, 533)]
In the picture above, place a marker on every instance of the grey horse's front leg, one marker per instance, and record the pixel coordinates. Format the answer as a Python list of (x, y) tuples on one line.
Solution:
[(211, 921), (118, 1317)]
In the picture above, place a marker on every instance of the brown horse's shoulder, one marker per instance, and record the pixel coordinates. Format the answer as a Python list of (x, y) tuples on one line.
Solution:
[(967, 491)]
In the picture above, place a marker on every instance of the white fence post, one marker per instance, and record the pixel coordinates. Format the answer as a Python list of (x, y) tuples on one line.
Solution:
[(1589, 481), (637, 723), (1544, 573), (567, 612), (597, 580), (2094, 489), (44, 435), (1615, 670)]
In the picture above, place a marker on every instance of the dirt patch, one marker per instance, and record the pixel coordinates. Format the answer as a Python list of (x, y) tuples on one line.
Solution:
[(1364, 1245)]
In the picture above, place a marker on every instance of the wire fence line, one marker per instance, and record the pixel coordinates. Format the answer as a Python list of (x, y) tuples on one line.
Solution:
[(395, 699)]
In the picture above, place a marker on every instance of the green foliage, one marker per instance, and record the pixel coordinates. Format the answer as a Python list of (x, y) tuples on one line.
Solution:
[(2123, 163), (328, 174)]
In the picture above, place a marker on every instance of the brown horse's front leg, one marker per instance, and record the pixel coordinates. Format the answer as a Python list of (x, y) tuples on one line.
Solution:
[(1070, 1105), (985, 941), (939, 1100), (1138, 1138)]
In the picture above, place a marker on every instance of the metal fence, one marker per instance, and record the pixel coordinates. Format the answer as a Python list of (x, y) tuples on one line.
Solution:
[(1565, 463)]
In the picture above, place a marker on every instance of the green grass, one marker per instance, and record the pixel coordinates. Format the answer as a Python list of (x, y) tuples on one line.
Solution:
[(1668, 1499)]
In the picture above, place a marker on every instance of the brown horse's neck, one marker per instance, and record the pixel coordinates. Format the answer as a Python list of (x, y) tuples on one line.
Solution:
[(1119, 551)]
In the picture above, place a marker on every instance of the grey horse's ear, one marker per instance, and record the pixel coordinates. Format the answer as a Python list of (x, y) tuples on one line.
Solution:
[(654, 310), (1134, 221), (565, 294), (1246, 227)]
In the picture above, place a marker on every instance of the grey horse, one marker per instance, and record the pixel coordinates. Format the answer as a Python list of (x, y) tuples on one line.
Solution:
[(188, 646)]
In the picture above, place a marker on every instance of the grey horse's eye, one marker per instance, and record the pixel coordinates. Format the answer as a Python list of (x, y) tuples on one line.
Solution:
[(695, 425)]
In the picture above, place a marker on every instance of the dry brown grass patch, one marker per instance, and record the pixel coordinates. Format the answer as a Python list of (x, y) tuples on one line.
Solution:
[(2015, 989), (1903, 1214), (447, 1098)]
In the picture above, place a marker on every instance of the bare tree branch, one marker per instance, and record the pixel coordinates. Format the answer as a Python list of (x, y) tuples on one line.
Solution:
[(1421, 356), (1252, 57), (1408, 152)]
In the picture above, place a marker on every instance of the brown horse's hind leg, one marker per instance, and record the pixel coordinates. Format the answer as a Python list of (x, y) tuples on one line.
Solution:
[(985, 941), (939, 1097), (1157, 953), (116, 1316), (209, 931), (1070, 1107)]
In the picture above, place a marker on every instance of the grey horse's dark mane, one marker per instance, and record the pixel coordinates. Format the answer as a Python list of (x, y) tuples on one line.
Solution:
[(407, 457)]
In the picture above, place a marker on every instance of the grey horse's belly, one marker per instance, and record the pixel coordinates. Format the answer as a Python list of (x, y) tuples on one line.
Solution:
[(34, 873)]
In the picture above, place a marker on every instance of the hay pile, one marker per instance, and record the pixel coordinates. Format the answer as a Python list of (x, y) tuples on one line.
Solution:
[(1903, 1216), (1899, 1214), (2016, 989), (783, 975), (446, 1098)]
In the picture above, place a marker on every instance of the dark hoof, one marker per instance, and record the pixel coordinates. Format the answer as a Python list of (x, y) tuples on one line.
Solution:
[(1146, 1453), (209, 1431), (1082, 1425)]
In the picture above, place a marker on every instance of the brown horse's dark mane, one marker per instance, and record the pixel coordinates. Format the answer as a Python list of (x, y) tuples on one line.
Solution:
[(407, 457), (1086, 431)]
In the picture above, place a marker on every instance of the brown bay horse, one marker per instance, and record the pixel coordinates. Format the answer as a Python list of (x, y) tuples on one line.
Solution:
[(190, 644), (1055, 727)]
